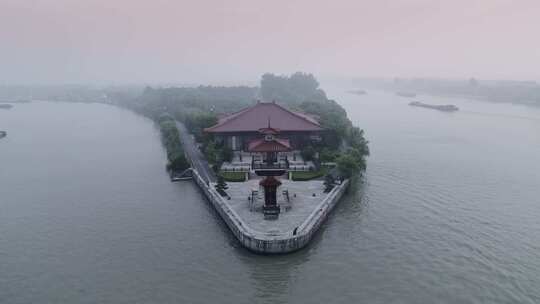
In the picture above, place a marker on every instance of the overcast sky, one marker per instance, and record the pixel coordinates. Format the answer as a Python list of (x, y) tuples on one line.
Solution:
[(130, 41)]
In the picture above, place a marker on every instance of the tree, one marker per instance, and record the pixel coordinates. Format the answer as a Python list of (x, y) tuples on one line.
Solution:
[(347, 165), (294, 89), (329, 182), (308, 153), (178, 162), (171, 140), (226, 154), (210, 151), (197, 122), (221, 185), (327, 155), (356, 140)]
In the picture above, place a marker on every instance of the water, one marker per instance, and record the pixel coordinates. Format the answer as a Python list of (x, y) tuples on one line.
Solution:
[(448, 213)]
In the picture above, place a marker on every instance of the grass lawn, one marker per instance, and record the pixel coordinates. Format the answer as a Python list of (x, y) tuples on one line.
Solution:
[(234, 176), (307, 175)]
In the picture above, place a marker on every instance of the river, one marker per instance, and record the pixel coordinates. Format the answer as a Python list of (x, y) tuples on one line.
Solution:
[(448, 212)]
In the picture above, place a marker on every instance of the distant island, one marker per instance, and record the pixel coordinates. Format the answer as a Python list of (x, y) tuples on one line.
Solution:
[(406, 94), (16, 101), (6, 106), (3, 134), (444, 108)]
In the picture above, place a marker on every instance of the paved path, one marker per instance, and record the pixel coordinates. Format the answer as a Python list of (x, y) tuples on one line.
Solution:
[(198, 160)]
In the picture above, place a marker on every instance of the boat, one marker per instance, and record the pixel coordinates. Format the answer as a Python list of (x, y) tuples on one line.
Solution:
[(406, 94), (6, 106), (444, 108), (358, 92)]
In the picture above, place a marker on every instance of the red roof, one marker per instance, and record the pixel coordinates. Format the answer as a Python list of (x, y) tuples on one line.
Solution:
[(269, 131), (276, 145), (256, 117), (269, 181)]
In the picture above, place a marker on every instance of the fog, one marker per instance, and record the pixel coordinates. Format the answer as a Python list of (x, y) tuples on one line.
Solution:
[(125, 41)]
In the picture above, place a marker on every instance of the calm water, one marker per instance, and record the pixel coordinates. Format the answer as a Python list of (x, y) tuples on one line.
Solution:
[(449, 213)]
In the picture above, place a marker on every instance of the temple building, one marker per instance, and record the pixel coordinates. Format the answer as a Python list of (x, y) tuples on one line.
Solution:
[(266, 138), (253, 128)]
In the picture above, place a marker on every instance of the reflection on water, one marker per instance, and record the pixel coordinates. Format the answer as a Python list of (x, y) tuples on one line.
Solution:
[(447, 212)]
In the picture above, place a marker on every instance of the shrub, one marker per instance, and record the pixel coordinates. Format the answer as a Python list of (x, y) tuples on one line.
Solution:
[(327, 155), (226, 154), (234, 176), (329, 182), (307, 175), (221, 186), (308, 153)]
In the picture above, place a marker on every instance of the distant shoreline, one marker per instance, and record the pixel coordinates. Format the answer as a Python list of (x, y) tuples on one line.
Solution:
[(482, 98), (15, 101)]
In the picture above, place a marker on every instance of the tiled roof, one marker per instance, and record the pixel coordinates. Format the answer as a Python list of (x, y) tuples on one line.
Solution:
[(269, 181), (257, 116), (276, 145)]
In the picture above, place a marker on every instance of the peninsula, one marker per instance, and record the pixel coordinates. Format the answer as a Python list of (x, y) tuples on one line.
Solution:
[(274, 167)]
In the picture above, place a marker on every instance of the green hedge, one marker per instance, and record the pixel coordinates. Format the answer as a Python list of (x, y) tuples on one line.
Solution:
[(307, 175), (234, 176)]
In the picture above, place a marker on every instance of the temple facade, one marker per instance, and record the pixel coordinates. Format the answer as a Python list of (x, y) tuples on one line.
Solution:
[(245, 129)]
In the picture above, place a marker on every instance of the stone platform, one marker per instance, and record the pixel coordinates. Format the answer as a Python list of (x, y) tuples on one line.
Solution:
[(307, 213), (302, 203)]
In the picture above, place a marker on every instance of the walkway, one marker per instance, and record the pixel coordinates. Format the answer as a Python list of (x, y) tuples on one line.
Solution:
[(198, 160)]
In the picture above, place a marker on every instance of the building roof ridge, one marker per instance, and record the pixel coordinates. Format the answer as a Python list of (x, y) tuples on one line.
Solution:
[(273, 110), (233, 116), (298, 115)]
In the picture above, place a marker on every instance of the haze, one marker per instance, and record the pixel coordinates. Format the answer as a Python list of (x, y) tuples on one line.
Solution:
[(121, 41)]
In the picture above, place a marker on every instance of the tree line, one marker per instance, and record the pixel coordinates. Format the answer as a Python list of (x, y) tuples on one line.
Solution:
[(170, 137)]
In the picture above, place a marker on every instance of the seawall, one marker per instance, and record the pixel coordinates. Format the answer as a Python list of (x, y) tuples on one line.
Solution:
[(268, 243)]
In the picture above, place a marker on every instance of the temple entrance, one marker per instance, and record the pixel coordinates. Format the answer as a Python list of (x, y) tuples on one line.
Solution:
[(271, 158)]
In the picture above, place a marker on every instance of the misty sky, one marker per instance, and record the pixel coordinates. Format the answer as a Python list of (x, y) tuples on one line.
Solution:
[(130, 41)]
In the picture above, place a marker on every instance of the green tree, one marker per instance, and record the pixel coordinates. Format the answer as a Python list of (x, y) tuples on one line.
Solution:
[(211, 152), (308, 153), (327, 155), (221, 185), (226, 154), (329, 182), (356, 140), (171, 141), (196, 122), (347, 165), (178, 162), (294, 89)]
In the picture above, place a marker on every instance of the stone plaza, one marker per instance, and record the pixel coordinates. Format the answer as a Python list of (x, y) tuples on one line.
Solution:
[(304, 197)]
